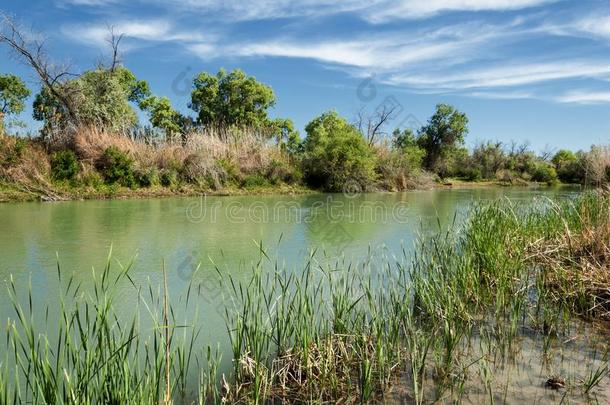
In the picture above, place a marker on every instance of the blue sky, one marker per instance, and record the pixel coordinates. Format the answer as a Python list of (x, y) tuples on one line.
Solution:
[(535, 70)]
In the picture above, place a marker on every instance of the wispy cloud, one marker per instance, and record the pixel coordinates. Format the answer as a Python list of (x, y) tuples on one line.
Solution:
[(371, 10), (585, 97), (155, 30), (516, 74), (485, 58)]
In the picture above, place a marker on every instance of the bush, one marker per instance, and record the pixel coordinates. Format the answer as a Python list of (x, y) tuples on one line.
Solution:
[(472, 174), (116, 167), (544, 173), (280, 171), (336, 154), (64, 165), (147, 177), (90, 178), (255, 180), (168, 177)]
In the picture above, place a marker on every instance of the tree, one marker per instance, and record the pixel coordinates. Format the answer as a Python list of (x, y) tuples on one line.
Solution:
[(411, 154), (286, 137), (231, 99), (336, 155), (100, 97), (444, 132), (569, 166), (13, 93), (371, 126), (33, 54), (163, 116), (488, 158)]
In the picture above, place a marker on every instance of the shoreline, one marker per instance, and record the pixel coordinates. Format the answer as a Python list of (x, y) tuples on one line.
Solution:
[(11, 194)]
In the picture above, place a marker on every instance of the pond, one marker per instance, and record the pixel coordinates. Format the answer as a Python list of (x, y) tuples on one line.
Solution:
[(195, 239)]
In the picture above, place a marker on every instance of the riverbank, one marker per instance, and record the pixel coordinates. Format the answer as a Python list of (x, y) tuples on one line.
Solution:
[(466, 316), (13, 193)]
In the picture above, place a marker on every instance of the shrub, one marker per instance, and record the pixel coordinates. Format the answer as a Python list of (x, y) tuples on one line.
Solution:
[(90, 178), (544, 173), (336, 154), (472, 174), (255, 180), (147, 177), (280, 171), (168, 177), (116, 167), (64, 165)]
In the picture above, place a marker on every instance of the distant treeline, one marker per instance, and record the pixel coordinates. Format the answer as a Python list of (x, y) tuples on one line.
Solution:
[(91, 137)]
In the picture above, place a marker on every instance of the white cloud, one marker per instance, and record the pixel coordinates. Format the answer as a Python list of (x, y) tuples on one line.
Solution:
[(427, 8), (585, 97), (158, 30), (507, 76), (594, 25), (371, 10)]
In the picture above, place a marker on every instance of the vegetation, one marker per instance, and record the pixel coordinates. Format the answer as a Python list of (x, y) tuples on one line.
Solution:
[(13, 93), (335, 154), (442, 323), (232, 142)]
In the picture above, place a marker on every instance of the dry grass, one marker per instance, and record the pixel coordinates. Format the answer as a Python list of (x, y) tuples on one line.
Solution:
[(577, 258), (248, 151), (25, 164)]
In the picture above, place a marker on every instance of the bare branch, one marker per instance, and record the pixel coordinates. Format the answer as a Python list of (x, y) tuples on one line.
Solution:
[(32, 52), (114, 41)]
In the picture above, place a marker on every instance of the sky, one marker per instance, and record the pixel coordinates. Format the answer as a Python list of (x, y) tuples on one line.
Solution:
[(522, 70)]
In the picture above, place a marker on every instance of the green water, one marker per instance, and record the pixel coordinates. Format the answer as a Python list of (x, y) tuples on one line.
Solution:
[(219, 231), (218, 234)]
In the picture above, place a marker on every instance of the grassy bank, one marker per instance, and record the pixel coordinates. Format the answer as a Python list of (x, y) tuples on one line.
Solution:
[(441, 323), (99, 165)]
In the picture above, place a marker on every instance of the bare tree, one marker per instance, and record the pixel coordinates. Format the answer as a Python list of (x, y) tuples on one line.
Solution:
[(32, 52), (114, 40), (372, 125)]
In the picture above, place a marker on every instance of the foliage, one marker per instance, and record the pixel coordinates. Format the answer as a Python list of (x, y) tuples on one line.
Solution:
[(168, 177), (64, 165), (147, 177), (569, 166), (101, 97), (444, 132), (286, 137), (116, 167), (544, 173), (163, 116), (489, 158), (336, 155), (231, 99), (11, 152), (13, 93)]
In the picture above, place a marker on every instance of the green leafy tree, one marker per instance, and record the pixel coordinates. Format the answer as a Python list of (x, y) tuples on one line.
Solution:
[(13, 93), (411, 154), (444, 132), (286, 136), (163, 116), (488, 158), (100, 97), (336, 154), (231, 99), (568, 166)]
